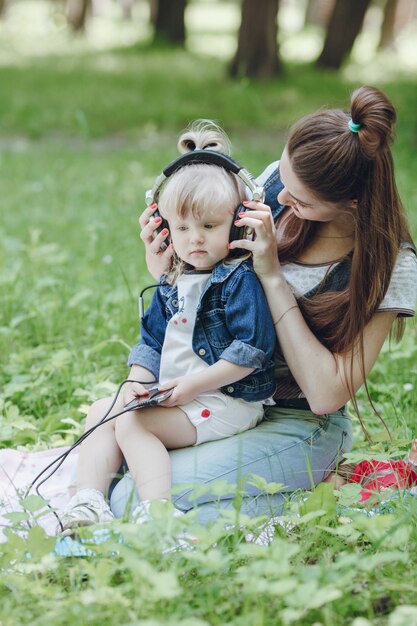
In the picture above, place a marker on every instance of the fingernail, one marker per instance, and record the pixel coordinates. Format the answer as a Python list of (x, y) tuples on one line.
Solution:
[(245, 202), (164, 231), (158, 220), (242, 214), (153, 205), (237, 221)]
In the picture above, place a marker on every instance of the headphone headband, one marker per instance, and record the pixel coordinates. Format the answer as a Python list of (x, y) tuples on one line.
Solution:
[(209, 157)]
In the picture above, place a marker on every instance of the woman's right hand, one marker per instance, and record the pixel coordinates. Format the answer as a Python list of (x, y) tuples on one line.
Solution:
[(158, 261)]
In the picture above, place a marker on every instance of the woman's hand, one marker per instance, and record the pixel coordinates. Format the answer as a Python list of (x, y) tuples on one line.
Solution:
[(264, 246), (158, 261)]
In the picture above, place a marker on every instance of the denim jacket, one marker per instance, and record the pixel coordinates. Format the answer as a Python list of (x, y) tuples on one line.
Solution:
[(233, 323)]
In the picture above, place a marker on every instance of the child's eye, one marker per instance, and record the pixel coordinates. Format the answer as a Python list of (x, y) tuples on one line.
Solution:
[(182, 228)]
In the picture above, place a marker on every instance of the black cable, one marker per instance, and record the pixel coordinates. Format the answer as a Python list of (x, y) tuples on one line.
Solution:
[(59, 461), (86, 434), (142, 310)]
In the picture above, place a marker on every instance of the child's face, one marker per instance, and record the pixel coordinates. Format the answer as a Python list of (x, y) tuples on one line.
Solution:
[(201, 241)]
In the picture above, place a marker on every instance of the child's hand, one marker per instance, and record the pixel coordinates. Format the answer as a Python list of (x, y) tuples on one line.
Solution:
[(133, 391), (185, 390)]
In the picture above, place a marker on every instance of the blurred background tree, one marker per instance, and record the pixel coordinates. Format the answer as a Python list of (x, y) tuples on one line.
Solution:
[(257, 46), (168, 19), (256, 29)]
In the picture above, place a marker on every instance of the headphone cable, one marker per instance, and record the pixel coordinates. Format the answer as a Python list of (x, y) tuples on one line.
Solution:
[(86, 434)]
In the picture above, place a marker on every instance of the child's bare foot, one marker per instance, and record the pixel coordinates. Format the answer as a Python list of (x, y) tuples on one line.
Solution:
[(335, 479)]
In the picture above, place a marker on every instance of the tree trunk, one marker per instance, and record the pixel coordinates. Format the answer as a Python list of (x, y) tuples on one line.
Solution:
[(344, 26), (257, 49), (318, 12), (168, 17), (77, 12), (397, 14), (388, 25)]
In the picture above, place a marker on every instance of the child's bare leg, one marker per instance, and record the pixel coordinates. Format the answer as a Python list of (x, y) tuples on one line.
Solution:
[(100, 456), (144, 437)]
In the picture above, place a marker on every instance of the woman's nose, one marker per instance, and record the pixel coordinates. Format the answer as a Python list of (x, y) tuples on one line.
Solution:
[(284, 197)]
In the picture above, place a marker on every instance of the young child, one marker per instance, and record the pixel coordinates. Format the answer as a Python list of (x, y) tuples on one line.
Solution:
[(207, 335)]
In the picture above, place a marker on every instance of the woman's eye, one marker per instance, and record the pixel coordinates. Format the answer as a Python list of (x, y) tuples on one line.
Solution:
[(182, 228), (208, 225)]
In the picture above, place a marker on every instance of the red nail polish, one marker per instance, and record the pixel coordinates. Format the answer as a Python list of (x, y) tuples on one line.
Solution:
[(245, 202), (158, 220), (164, 232), (153, 205), (237, 221), (242, 214)]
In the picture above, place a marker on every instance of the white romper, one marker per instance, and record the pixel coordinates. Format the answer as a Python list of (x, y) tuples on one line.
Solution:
[(214, 414)]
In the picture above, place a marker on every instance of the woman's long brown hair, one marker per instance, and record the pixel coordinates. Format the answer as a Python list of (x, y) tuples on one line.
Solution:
[(341, 166)]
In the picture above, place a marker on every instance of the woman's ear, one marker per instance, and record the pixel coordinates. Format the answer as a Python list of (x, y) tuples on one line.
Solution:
[(353, 204)]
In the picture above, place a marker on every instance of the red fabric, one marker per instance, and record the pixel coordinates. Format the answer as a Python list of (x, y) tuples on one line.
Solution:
[(377, 475)]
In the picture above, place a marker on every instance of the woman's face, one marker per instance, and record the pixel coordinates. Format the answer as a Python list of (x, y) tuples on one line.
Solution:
[(303, 202)]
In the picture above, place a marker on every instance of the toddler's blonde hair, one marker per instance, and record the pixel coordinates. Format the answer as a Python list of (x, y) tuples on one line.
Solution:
[(200, 189)]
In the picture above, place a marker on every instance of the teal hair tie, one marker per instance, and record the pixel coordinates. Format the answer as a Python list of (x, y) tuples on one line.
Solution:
[(353, 126)]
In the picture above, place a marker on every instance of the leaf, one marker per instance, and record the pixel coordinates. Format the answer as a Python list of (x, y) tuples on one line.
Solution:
[(264, 486), (349, 494), (405, 615), (16, 517), (33, 503), (38, 543), (322, 499)]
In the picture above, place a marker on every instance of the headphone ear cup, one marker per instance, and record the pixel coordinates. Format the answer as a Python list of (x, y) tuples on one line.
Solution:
[(240, 232), (162, 225), (235, 232)]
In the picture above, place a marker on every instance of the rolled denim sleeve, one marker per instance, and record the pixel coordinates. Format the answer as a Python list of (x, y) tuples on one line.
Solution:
[(249, 321), (147, 352), (243, 354), (147, 357)]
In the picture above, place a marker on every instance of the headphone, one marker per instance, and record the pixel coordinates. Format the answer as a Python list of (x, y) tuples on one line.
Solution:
[(209, 157)]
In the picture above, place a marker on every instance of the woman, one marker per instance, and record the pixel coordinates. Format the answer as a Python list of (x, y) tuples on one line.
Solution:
[(336, 260)]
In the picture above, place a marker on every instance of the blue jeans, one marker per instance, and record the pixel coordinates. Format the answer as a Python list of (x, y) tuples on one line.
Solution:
[(291, 446)]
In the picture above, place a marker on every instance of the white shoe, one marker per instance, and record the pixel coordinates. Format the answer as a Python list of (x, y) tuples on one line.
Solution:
[(150, 510), (146, 510), (85, 508)]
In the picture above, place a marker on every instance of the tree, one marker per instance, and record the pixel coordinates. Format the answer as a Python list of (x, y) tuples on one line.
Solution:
[(318, 12), (168, 18), (77, 12), (257, 50), (3, 7), (397, 13), (344, 26)]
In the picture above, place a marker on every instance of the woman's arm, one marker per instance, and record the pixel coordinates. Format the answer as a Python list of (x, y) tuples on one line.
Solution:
[(320, 374), (158, 261)]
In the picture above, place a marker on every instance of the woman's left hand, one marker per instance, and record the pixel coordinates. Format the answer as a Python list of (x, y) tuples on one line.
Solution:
[(264, 246)]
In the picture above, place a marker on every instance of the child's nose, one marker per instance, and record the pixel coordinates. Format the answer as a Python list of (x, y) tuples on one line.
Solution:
[(197, 235)]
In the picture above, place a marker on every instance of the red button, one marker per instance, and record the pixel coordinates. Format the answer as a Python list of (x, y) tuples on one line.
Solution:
[(205, 413)]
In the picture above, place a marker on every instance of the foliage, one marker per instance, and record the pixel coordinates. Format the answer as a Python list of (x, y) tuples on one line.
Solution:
[(82, 137)]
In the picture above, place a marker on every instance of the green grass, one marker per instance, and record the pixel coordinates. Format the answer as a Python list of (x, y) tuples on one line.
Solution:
[(82, 136)]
